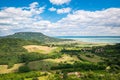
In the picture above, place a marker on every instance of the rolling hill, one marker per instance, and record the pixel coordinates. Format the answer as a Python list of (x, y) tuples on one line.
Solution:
[(15, 59), (11, 46), (34, 36)]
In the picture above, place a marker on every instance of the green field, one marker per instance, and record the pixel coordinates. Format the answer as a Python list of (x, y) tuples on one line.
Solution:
[(30, 60)]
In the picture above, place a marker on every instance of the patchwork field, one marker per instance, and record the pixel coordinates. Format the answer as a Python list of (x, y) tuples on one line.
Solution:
[(43, 65), (94, 58), (4, 68), (46, 64), (64, 58), (40, 49)]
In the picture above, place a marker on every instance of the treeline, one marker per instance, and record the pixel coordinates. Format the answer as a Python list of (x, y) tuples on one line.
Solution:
[(78, 66), (11, 59), (107, 51), (70, 51), (20, 76), (85, 76), (111, 54), (89, 75), (12, 51)]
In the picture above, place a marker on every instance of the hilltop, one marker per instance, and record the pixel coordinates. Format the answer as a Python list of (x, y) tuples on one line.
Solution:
[(36, 36)]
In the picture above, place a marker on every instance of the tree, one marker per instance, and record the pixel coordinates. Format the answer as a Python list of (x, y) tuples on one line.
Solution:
[(35, 78), (23, 69), (65, 75)]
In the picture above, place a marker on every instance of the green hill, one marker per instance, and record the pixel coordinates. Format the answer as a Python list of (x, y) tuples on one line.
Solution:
[(34, 36), (11, 50), (66, 60)]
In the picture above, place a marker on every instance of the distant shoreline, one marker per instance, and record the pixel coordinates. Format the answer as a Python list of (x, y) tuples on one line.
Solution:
[(93, 39), (87, 36)]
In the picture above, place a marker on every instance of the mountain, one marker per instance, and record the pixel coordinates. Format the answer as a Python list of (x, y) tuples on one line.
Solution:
[(12, 51), (34, 36)]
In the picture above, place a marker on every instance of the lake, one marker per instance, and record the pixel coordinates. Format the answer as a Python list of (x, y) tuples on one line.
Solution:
[(93, 39)]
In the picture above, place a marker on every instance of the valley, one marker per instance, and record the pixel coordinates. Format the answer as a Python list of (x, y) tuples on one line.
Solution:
[(31, 59)]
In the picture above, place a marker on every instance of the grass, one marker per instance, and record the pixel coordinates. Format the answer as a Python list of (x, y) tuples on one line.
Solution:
[(94, 59), (42, 65), (39, 49), (40, 78), (43, 78), (46, 64), (4, 68), (65, 58)]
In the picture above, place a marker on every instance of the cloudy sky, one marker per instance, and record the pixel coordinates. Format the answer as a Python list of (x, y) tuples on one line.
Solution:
[(61, 17)]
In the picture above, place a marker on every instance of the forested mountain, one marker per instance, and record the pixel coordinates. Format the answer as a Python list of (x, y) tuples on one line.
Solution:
[(11, 46), (34, 36)]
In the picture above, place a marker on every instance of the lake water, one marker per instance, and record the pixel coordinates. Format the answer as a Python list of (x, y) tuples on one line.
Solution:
[(94, 39)]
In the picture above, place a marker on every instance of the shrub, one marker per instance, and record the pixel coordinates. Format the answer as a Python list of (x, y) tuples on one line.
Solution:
[(35, 78), (23, 69)]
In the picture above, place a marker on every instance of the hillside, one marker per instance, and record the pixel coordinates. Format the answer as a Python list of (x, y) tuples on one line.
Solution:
[(34, 36), (12, 49), (19, 55), (20, 51)]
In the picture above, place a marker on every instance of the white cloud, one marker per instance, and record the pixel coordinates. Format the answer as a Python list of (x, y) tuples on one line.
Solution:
[(63, 10), (35, 9), (60, 11), (80, 22), (59, 2), (14, 19), (52, 9), (34, 5)]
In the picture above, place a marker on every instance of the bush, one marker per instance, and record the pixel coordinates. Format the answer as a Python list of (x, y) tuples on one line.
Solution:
[(23, 69), (35, 78)]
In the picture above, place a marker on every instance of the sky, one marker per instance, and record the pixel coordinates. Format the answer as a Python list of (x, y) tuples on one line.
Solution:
[(61, 17)]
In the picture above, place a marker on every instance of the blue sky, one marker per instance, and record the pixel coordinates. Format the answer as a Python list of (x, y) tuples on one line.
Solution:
[(60, 17), (76, 4), (90, 5)]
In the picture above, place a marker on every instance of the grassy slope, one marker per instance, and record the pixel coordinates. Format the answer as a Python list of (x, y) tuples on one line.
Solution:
[(4, 68), (11, 49), (34, 36), (39, 49), (46, 64), (94, 59)]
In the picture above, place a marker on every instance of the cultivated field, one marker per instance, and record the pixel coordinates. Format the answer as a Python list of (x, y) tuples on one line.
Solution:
[(40, 49), (4, 68)]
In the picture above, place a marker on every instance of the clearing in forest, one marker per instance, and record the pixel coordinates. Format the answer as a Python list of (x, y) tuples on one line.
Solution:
[(40, 49), (4, 68)]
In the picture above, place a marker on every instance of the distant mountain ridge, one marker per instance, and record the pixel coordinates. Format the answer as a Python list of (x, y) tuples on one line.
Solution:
[(37, 36)]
